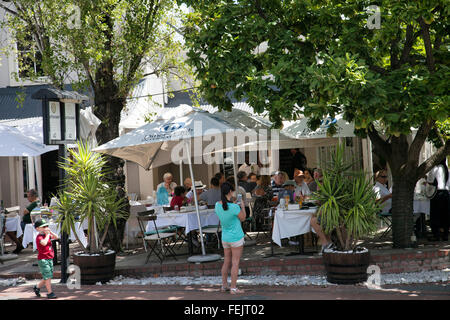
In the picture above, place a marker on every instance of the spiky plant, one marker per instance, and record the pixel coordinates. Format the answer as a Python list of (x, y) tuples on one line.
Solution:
[(87, 194), (347, 202)]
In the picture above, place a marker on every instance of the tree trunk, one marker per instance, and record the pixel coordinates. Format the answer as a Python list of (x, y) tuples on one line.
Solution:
[(108, 108), (402, 210), (404, 182)]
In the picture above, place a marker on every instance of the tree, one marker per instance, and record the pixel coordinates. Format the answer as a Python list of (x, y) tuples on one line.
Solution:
[(323, 59), (101, 46)]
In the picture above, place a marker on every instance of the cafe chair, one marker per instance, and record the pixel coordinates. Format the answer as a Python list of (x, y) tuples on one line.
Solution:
[(158, 242), (213, 229), (249, 223), (386, 218), (266, 222), (142, 227)]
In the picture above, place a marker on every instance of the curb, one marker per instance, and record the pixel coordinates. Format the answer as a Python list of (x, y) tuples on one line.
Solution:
[(400, 262)]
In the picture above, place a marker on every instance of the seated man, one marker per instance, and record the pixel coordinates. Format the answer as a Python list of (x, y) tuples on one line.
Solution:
[(212, 195), (325, 240), (277, 182), (199, 187), (26, 219), (382, 192)]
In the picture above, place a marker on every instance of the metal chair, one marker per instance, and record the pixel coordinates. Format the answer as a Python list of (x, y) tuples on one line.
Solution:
[(161, 245), (386, 217), (266, 221), (213, 229)]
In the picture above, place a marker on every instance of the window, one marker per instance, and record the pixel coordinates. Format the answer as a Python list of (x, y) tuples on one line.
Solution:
[(29, 59)]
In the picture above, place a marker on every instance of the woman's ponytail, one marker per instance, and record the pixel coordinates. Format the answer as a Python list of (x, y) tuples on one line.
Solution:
[(225, 189)]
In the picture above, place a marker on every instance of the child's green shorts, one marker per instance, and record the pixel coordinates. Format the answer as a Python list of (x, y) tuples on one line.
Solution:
[(46, 268)]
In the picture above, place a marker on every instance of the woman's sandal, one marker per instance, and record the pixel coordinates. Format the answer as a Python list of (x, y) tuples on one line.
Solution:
[(236, 291), (224, 289)]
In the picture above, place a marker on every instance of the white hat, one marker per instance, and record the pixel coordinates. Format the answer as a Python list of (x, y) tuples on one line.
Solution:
[(199, 185)]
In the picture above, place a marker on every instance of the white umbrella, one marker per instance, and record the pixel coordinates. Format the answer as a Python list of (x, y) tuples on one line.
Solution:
[(15, 144), (299, 129)]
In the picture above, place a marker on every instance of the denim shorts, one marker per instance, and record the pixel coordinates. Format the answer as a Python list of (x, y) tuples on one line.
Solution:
[(236, 244), (46, 268)]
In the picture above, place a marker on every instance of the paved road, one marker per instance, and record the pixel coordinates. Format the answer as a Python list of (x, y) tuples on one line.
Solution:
[(432, 291)]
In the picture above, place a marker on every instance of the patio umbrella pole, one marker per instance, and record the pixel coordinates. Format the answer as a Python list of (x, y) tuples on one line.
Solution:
[(234, 172), (181, 172), (203, 257)]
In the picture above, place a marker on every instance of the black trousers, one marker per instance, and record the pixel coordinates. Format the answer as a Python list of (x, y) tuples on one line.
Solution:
[(440, 212)]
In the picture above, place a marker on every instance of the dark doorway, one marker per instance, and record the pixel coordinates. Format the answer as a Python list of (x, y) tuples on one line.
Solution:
[(50, 175)]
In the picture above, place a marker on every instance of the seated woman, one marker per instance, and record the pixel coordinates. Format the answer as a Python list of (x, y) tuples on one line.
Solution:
[(179, 199), (165, 189), (263, 193)]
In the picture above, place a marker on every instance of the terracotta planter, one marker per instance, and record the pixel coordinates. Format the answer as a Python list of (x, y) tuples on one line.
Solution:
[(346, 268), (95, 268)]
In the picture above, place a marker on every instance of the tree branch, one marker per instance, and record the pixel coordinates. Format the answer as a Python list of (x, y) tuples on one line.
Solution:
[(382, 147), (378, 69), (419, 140), (433, 160), (409, 41), (8, 10), (427, 43)]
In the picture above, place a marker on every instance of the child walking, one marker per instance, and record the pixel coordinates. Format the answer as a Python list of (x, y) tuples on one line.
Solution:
[(45, 257)]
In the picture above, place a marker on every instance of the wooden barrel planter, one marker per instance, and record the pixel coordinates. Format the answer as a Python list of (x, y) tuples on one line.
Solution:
[(95, 268), (346, 268)]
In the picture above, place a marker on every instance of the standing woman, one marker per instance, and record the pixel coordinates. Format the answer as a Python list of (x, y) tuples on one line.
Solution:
[(230, 215), (439, 207)]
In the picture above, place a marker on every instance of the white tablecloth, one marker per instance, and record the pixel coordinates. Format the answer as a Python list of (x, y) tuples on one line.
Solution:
[(13, 224), (30, 234), (290, 223), (188, 220), (422, 206)]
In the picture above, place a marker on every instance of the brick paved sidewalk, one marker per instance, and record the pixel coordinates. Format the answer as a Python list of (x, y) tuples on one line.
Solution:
[(431, 291)]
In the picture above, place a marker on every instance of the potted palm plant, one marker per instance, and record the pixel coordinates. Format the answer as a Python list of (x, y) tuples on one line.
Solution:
[(347, 211), (88, 196)]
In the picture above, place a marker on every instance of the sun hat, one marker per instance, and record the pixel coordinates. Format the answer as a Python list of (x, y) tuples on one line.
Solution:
[(299, 173), (39, 223), (289, 183), (199, 185)]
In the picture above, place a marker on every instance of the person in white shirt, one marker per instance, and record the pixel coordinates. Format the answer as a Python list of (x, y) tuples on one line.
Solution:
[(384, 196), (439, 204), (301, 187), (249, 168)]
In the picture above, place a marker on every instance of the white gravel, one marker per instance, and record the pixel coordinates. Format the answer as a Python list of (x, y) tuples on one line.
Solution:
[(306, 280), (12, 282), (435, 276)]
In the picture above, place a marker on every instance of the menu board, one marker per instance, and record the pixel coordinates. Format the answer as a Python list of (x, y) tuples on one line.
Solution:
[(71, 121), (55, 120)]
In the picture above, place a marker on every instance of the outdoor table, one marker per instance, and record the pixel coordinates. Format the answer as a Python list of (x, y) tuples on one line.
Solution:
[(185, 219), (13, 224), (421, 210), (291, 223), (30, 234)]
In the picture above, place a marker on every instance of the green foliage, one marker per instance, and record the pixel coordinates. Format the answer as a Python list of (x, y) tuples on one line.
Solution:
[(106, 46), (347, 202), (322, 59), (89, 195)]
